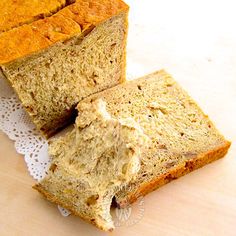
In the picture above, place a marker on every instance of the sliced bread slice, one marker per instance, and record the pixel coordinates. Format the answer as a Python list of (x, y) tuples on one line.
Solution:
[(182, 136), (91, 163), (55, 62), (152, 118)]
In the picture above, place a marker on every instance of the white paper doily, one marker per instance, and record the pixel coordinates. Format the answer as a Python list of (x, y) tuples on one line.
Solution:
[(15, 122)]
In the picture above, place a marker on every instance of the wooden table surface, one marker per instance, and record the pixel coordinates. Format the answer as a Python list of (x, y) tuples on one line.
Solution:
[(196, 42)]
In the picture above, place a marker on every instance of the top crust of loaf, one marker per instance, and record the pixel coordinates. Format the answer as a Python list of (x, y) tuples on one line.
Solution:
[(27, 11), (72, 20)]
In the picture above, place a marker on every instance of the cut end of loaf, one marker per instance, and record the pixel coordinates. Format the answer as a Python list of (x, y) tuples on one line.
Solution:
[(52, 82)]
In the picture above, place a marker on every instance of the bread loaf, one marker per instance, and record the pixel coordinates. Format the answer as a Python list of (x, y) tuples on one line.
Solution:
[(53, 63)]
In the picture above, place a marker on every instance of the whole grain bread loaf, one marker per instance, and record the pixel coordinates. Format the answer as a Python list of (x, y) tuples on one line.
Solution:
[(167, 130), (54, 62)]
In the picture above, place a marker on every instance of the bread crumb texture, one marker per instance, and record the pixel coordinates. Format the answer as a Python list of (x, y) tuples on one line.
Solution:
[(90, 164)]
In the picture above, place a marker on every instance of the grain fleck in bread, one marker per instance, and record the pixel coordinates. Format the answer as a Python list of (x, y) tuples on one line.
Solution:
[(92, 162), (183, 137), (53, 63)]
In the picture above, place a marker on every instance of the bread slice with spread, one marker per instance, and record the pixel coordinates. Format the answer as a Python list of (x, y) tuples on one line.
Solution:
[(158, 122)]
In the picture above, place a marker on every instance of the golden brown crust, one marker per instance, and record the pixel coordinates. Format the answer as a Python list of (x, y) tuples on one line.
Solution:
[(187, 167), (14, 13), (53, 199), (72, 20)]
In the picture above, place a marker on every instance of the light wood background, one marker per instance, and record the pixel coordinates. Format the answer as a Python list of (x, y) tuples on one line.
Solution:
[(195, 41)]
